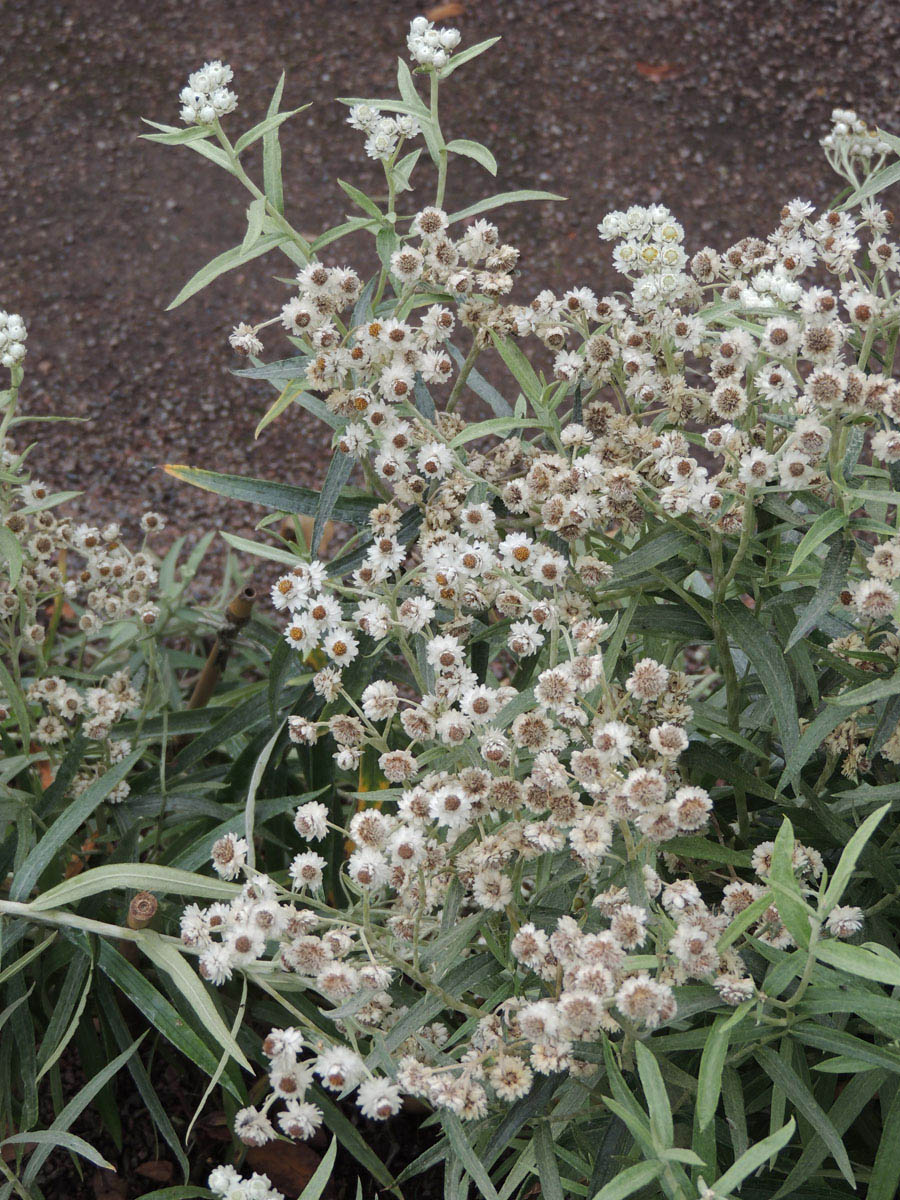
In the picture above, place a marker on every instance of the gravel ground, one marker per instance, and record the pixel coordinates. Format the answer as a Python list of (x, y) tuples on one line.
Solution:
[(711, 106)]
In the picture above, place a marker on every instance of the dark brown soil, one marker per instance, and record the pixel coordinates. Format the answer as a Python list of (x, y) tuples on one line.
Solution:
[(712, 106)]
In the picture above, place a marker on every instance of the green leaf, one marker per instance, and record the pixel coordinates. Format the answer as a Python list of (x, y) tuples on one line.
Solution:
[(171, 135), (844, 870), (272, 184), (467, 55), (283, 497), (171, 960), (520, 367), (811, 741), (404, 169), (158, 1010), (65, 826), (655, 1094), (339, 470), (822, 528), (236, 257), (256, 214), (476, 383), (75, 1107), (712, 1063), (113, 1017), (654, 550), (58, 1138), (884, 1182), (259, 549), (138, 876), (16, 701), (742, 922), (879, 689), (745, 631), (11, 550), (269, 125), (858, 961), (499, 200), (785, 1077), (406, 86), (322, 1174), (361, 200), (338, 231), (548, 1168), (754, 1158), (464, 1151), (831, 581), (351, 1140), (785, 887), (629, 1181), (491, 428), (475, 150)]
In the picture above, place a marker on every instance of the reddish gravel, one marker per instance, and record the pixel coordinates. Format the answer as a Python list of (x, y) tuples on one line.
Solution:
[(712, 106)]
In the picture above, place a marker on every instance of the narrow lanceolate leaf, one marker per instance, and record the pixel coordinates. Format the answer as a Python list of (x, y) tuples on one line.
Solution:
[(751, 1160), (811, 741), (869, 693), (464, 56), (53, 1138), (767, 660), (65, 826), (272, 153), (786, 890), (655, 1094), (339, 470), (822, 528), (284, 497), (171, 960), (476, 383), (832, 579), (157, 1009), (137, 876), (844, 870), (627, 1182), (76, 1106), (266, 126), (520, 367), (501, 199), (884, 1182), (712, 1063), (858, 961), (319, 1180), (236, 257), (548, 1168), (786, 1078)]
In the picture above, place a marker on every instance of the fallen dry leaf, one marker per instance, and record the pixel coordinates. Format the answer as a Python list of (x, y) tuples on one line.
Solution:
[(443, 12), (658, 72), (109, 1186), (290, 1165), (160, 1170)]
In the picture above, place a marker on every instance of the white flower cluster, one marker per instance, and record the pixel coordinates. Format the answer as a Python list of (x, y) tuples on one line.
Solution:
[(229, 1185), (12, 339), (650, 252), (851, 138), (431, 47), (96, 710), (207, 98), (384, 135)]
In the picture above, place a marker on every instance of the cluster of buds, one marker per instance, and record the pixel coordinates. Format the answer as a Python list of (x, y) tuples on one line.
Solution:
[(207, 98), (429, 46)]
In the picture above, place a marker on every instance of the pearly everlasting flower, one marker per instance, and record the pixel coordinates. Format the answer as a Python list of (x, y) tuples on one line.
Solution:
[(206, 98), (12, 339)]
